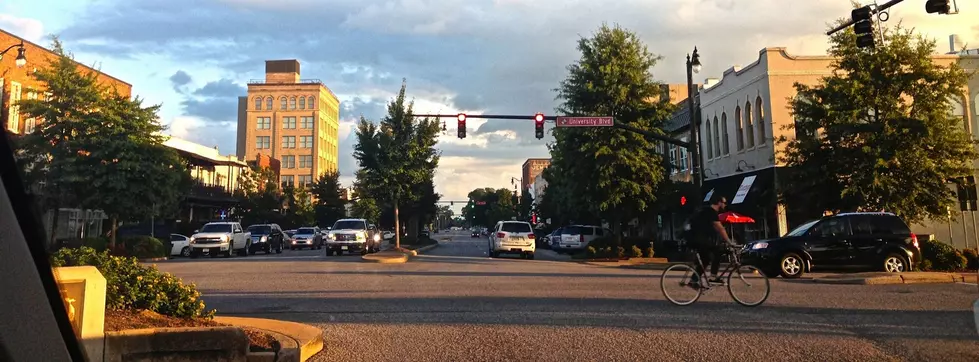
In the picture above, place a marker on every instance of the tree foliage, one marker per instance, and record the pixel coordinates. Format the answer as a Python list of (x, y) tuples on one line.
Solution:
[(260, 199), (612, 78), (299, 207), (498, 206), (330, 205), (878, 134)]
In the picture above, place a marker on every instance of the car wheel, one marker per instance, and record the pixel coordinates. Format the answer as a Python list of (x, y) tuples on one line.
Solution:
[(185, 252), (791, 265), (895, 263)]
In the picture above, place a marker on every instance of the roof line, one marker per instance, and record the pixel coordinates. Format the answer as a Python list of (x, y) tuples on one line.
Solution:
[(73, 60)]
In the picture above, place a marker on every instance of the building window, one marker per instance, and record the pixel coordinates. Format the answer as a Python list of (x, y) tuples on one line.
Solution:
[(725, 137), (288, 161), (264, 123), (289, 122), (292, 103), (258, 103), (307, 122), (305, 180), (717, 138), (306, 141), (13, 112), (29, 125), (311, 102), (760, 120), (268, 103), (674, 162), (739, 123), (306, 161), (749, 126), (288, 141), (263, 142), (288, 181), (710, 141), (302, 102), (283, 103), (684, 160)]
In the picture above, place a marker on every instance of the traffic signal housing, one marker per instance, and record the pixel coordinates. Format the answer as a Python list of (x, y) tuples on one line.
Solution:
[(462, 124), (539, 125), (863, 26), (938, 6)]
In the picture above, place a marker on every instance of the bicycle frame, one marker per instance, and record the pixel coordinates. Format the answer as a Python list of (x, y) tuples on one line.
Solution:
[(731, 267)]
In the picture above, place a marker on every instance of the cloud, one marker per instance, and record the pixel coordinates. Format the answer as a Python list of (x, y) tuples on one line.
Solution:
[(216, 101), (180, 79), (30, 29)]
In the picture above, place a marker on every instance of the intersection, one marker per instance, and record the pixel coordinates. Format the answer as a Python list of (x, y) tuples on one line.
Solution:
[(454, 303)]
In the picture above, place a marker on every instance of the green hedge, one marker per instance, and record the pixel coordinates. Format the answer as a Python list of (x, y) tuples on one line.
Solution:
[(972, 258), (939, 256), (139, 246), (131, 285), (605, 247)]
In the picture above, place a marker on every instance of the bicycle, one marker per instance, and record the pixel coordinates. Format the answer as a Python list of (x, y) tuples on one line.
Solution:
[(699, 284)]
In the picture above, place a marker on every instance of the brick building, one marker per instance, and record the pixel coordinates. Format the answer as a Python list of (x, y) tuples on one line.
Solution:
[(531, 168)]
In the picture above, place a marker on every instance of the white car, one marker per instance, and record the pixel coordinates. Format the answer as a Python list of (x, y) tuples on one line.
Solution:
[(180, 245), (220, 237), (512, 237)]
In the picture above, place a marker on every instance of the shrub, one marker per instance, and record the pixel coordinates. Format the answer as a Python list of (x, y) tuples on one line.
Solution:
[(591, 252), (635, 252), (648, 252), (972, 258), (619, 252), (627, 244), (143, 246), (132, 285), (942, 257)]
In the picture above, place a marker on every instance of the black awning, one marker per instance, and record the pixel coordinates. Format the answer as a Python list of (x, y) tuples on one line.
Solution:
[(760, 193)]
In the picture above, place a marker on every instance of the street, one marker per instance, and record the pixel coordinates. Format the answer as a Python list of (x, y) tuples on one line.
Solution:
[(455, 304)]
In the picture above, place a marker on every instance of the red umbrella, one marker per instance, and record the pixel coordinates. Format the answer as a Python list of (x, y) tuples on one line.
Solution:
[(732, 217)]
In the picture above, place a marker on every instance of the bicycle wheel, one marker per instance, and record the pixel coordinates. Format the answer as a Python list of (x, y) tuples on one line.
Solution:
[(754, 283), (677, 286)]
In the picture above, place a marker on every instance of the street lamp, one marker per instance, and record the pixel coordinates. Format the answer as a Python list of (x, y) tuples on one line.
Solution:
[(21, 59), (693, 66)]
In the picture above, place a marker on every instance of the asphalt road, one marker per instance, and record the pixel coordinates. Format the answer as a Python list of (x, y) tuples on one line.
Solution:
[(456, 304)]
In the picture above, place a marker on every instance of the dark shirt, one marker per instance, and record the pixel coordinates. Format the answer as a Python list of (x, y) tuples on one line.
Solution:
[(702, 226)]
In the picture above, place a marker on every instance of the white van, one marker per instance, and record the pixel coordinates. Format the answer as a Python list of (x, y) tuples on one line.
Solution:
[(512, 237)]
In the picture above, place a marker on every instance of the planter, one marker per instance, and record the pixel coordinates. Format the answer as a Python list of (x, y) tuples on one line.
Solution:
[(177, 344)]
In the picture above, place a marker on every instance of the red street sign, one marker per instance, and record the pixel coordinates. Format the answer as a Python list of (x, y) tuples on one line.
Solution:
[(585, 122), (480, 202)]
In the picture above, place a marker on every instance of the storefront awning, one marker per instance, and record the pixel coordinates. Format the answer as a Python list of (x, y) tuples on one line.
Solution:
[(744, 191)]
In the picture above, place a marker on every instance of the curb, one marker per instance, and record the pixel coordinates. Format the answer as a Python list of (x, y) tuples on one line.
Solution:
[(929, 278), (387, 258), (298, 342), (150, 260), (425, 248)]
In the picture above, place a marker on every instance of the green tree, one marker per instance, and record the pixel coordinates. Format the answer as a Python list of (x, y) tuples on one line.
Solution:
[(489, 206), (329, 205), (612, 78), (299, 207), (526, 206), (878, 134), (260, 199), (397, 160), (366, 208)]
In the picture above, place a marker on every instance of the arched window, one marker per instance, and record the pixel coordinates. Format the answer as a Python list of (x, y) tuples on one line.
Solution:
[(311, 102), (710, 141), (268, 103), (717, 138), (739, 131), (258, 103), (726, 138), (760, 121), (283, 103), (302, 102), (292, 103), (749, 126)]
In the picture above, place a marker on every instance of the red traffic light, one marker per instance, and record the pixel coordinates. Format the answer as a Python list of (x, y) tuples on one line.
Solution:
[(539, 118), (683, 200), (461, 117)]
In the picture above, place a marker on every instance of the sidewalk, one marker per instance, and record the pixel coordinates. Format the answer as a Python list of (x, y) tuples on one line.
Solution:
[(298, 341), (882, 278)]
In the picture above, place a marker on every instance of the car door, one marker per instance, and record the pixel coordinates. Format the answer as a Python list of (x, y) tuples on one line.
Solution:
[(829, 242), (238, 237), (864, 242)]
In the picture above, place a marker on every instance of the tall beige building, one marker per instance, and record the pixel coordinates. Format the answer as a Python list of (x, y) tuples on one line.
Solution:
[(294, 120)]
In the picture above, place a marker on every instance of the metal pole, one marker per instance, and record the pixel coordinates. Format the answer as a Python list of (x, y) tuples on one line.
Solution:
[(693, 148), (965, 232)]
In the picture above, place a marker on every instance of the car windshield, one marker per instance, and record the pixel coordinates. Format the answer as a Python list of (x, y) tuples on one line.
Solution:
[(260, 229), (516, 227), (350, 225), (216, 228), (306, 231), (802, 229)]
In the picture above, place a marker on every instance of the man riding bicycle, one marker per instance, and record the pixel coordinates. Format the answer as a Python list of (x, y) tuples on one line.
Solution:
[(706, 231)]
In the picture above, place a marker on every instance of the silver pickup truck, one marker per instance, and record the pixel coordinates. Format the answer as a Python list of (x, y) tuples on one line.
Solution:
[(220, 237), (350, 235)]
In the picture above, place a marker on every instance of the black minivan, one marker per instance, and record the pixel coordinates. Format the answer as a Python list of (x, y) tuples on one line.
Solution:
[(879, 240)]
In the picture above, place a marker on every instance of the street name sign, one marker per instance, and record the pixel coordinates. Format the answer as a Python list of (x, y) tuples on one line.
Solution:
[(585, 122)]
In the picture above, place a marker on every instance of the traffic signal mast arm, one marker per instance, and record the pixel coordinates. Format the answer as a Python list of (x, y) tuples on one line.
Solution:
[(873, 12)]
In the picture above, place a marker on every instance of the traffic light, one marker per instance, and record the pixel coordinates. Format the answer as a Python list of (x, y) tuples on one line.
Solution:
[(938, 6), (683, 200), (539, 125), (462, 125), (533, 219), (863, 26)]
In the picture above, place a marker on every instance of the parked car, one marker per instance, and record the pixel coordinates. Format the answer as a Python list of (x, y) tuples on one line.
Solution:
[(220, 237), (180, 245), (266, 237), (307, 237), (512, 237), (879, 240)]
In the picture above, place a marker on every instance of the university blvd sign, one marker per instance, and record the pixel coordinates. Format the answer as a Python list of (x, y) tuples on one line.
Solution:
[(585, 122)]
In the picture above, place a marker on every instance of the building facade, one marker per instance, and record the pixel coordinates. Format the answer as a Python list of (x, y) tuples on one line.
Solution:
[(215, 179), (293, 120), (746, 111), (16, 83), (531, 168)]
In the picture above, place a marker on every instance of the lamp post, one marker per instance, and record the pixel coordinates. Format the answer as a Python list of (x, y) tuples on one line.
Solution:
[(21, 59), (693, 66)]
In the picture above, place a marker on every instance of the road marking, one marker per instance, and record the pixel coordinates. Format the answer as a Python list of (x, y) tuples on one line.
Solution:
[(973, 284)]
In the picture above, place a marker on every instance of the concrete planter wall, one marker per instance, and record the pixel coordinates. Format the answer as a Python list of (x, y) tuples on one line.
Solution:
[(224, 344)]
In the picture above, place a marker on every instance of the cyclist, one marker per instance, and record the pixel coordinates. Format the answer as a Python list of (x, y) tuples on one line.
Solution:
[(706, 231)]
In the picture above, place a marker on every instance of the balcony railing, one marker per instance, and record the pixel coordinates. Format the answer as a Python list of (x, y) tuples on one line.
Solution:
[(199, 190)]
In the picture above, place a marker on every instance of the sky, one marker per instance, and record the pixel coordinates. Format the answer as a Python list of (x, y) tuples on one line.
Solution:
[(195, 57)]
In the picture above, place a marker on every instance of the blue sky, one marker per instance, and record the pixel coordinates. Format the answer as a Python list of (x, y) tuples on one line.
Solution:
[(496, 56)]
